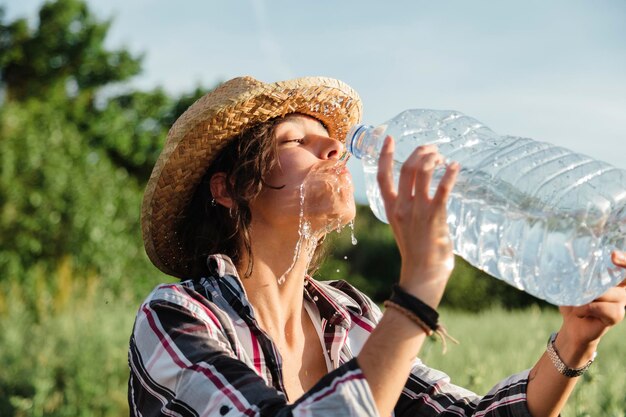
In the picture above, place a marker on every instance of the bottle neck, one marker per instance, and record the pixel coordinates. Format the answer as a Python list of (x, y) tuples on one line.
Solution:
[(356, 140)]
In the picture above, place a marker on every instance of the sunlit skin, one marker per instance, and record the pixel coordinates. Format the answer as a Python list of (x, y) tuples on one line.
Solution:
[(425, 271), (304, 149), (419, 225), (306, 155)]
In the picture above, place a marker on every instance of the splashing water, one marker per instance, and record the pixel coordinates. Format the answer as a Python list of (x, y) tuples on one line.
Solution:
[(316, 206), (352, 236), (305, 238)]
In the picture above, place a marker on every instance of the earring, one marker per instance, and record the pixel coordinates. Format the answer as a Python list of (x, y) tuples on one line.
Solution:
[(213, 202)]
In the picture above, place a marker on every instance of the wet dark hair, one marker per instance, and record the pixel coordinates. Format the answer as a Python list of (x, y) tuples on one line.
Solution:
[(208, 228)]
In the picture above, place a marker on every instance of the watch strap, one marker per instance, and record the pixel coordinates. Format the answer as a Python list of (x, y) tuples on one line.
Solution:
[(560, 366)]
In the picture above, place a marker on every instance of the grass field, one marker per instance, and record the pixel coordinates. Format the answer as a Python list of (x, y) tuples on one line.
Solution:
[(497, 343), (72, 360)]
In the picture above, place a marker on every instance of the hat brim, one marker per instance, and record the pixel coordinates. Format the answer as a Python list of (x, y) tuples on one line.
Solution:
[(207, 126)]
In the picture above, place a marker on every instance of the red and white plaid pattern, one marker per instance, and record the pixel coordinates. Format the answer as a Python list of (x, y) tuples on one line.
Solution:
[(196, 350)]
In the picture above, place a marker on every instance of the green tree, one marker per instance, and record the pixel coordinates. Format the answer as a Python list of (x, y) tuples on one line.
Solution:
[(132, 126), (59, 197), (64, 54), (64, 59), (73, 162)]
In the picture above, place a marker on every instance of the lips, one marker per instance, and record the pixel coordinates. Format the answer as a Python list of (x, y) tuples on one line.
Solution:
[(336, 167)]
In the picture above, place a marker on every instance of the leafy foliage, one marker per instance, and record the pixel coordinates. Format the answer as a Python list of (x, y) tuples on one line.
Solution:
[(131, 127), (64, 54), (61, 197), (72, 359), (73, 164)]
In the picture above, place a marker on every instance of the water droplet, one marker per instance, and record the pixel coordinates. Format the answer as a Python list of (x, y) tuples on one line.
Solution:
[(328, 180), (353, 238), (305, 238)]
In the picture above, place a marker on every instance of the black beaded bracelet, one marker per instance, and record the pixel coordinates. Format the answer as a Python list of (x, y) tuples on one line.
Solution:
[(421, 313), (422, 310), (411, 316)]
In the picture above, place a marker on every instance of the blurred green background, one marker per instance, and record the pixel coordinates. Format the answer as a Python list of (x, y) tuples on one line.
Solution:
[(75, 155)]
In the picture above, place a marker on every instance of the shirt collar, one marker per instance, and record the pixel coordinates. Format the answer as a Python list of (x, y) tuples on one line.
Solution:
[(333, 304), (225, 279)]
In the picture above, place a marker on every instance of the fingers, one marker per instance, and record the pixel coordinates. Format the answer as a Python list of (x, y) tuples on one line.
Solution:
[(609, 308), (615, 294), (619, 258), (423, 168), (608, 312), (417, 171), (446, 184), (415, 175)]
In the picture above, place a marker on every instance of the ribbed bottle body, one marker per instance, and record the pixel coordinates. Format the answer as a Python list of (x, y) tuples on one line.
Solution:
[(538, 216)]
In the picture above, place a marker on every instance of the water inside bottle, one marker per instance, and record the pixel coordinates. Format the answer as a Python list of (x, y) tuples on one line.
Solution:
[(538, 216)]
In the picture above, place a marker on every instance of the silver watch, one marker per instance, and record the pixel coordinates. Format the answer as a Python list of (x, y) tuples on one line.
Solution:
[(560, 365)]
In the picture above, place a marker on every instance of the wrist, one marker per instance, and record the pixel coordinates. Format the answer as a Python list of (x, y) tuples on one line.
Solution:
[(573, 352), (428, 288), (420, 313)]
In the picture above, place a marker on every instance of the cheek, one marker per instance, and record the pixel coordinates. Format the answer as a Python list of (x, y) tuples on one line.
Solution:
[(329, 195), (290, 172)]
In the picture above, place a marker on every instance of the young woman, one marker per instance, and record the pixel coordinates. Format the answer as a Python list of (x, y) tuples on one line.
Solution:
[(249, 181)]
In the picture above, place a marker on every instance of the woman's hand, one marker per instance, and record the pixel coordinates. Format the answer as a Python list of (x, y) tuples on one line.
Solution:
[(583, 326), (419, 222), (421, 232)]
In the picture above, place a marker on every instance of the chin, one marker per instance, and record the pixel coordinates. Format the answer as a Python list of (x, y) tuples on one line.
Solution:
[(350, 211), (336, 220), (347, 205), (329, 202)]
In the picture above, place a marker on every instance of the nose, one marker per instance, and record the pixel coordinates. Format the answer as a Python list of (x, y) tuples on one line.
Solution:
[(331, 148)]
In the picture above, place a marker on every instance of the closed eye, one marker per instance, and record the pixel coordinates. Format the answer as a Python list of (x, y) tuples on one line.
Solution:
[(299, 140)]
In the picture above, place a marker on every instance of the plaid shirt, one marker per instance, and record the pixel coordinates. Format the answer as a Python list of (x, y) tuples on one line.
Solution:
[(196, 349)]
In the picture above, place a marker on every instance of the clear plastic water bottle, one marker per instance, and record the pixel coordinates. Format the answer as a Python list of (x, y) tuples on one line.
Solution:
[(538, 216)]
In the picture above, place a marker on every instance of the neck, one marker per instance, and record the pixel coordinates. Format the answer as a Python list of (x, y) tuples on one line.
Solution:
[(276, 283)]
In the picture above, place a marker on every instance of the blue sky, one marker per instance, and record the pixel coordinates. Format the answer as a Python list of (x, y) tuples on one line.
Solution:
[(551, 70)]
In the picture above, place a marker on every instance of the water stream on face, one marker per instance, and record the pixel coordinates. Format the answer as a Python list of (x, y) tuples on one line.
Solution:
[(326, 180), (304, 237)]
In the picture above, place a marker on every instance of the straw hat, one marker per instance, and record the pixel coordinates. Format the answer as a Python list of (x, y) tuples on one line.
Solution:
[(207, 126)]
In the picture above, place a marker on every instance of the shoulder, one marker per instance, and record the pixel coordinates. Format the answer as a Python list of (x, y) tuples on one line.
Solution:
[(184, 293), (188, 299)]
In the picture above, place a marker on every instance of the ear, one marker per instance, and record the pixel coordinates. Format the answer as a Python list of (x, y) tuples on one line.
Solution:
[(219, 191)]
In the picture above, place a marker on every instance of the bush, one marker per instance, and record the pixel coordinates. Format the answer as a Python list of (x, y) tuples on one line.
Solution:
[(72, 359), (59, 198)]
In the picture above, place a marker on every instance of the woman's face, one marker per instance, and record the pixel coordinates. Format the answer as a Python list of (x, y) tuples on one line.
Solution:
[(315, 184)]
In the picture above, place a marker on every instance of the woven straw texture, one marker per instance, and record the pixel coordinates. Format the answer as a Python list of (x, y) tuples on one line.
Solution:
[(207, 126)]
